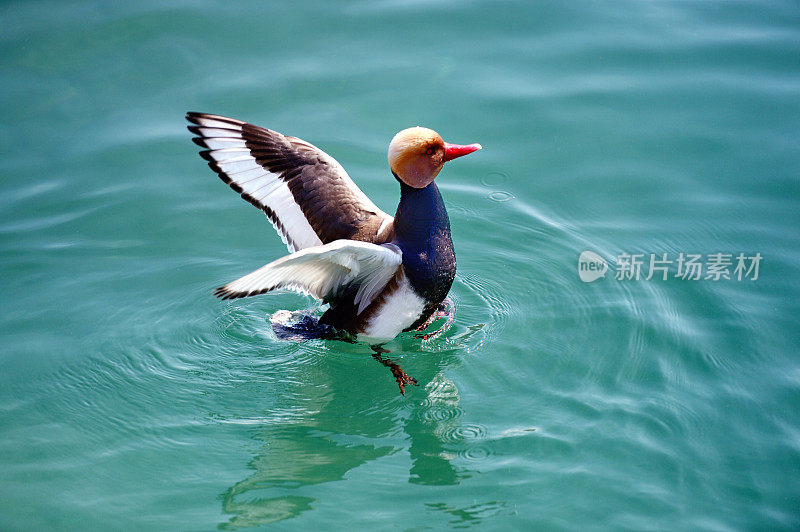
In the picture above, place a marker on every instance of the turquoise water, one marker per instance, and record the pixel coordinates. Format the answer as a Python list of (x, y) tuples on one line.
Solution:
[(131, 399)]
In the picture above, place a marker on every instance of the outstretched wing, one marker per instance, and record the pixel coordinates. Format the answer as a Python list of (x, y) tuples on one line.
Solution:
[(306, 194), (325, 272)]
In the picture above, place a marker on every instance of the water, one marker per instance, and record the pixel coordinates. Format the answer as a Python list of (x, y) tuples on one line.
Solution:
[(131, 399)]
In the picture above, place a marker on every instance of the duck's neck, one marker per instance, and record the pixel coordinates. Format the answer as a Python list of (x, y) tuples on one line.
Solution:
[(421, 216), (422, 230)]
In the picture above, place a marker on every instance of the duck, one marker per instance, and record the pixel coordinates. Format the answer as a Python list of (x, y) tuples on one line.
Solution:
[(381, 275)]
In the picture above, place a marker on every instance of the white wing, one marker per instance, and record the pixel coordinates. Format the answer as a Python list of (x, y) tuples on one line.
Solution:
[(325, 272)]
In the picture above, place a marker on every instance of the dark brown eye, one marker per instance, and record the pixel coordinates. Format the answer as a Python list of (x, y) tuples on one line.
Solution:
[(430, 151)]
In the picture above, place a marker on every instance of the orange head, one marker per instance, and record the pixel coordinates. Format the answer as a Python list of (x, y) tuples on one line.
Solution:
[(417, 154)]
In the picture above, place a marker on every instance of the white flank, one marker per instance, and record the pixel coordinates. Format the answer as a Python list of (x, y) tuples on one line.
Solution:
[(402, 308)]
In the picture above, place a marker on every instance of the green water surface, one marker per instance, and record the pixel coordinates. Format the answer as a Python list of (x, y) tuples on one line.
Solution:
[(131, 399)]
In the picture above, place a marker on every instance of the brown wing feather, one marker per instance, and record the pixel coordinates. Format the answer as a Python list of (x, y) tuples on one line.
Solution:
[(271, 170)]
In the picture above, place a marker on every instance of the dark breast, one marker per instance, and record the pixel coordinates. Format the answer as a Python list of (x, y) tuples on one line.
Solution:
[(431, 269), (422, 231)]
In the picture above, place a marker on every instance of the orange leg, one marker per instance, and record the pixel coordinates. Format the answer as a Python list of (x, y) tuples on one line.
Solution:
[(400, 376)]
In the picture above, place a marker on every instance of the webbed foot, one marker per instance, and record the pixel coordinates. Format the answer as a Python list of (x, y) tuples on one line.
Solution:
[(400, 376)]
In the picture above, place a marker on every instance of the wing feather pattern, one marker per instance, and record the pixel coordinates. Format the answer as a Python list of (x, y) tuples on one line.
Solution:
[(324, 272), (305, 193)]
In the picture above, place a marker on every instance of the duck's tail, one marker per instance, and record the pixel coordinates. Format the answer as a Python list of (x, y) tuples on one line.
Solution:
[(297, 326)]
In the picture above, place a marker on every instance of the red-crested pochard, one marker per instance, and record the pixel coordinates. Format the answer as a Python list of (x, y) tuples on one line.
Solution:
[(380, 274)]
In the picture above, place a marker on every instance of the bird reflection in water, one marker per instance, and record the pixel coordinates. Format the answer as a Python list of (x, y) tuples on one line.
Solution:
[(343, 427)]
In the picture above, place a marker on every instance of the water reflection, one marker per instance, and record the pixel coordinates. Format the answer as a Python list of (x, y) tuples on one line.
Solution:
[(431, 452), (346, 426), (470, 515)]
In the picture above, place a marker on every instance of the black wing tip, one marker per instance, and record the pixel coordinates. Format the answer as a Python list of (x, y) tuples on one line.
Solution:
[(224, 294), (247, 197), (194, 116), (199, 141), (221, 173)]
